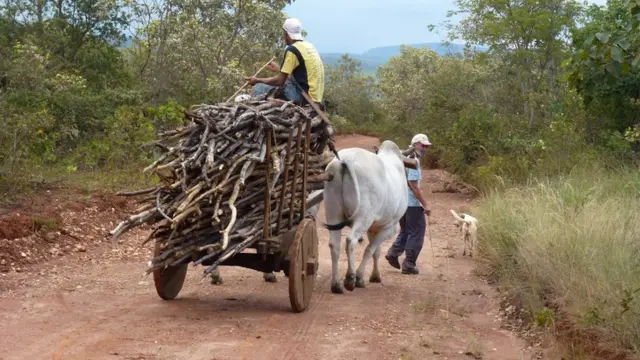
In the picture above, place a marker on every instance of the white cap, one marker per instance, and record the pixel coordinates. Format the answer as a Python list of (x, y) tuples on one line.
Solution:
[(421, 138), (293, 27)]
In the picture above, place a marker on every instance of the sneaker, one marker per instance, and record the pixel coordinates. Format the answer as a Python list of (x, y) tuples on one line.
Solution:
[(393, 261), (411, 271)]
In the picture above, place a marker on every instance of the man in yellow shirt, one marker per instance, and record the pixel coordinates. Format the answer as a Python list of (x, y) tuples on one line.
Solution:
[(301, 61)]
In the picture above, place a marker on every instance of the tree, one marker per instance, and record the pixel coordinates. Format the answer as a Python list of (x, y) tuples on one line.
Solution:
[(605, 66), (530, 35), (71, 23), (404, 83), (196, 51), (350, 93)]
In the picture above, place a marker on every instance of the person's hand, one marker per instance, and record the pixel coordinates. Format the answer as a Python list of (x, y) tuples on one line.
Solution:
[(273, 67), (427, 212), (251, 80)]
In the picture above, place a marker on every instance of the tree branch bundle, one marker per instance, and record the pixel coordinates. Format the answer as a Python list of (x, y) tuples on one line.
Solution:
[(214, 171)]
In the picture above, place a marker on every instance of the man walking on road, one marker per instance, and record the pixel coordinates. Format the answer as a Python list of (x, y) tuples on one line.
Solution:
[(413, 222)]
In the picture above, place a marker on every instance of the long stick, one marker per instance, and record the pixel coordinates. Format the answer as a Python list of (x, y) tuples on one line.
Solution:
[(430, 240), (318, 111), (247, 83), (267, 193), (285, 180)]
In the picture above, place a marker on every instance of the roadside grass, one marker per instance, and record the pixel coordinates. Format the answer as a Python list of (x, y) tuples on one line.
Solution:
[(573, 241)]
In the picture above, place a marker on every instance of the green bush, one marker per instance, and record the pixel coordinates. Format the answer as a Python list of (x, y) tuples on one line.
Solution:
[(118, 145), (27, 139), (166, 116)]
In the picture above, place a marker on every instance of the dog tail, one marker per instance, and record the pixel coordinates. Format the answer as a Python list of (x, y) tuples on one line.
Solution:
[(457, 217)]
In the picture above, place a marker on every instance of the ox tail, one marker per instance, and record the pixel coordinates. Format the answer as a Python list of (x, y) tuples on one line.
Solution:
[(348, 222)]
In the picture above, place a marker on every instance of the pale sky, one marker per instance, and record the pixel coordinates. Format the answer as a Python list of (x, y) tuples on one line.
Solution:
[(357, 25)]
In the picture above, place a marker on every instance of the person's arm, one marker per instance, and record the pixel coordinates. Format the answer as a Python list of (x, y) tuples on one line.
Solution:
[(414, 184), (273, 67), (277, 80), (290, 63)]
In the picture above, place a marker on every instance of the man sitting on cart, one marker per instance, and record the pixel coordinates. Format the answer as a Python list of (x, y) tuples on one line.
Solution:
[(302, 61)]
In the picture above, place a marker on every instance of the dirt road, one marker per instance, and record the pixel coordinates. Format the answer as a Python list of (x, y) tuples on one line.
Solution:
[(97, 305)]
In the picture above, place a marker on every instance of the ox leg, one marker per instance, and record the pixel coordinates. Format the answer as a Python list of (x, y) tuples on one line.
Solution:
[(350, 277), (375, 240), (375, 274), (270, 277), (368, 252), (216, 278), (357, 232), (334, 245)]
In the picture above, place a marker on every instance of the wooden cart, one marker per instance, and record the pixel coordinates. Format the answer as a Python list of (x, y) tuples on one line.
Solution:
[(289, 247)]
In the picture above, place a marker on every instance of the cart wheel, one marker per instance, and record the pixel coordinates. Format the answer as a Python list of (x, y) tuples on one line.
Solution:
[(303, 267), (169, 280)]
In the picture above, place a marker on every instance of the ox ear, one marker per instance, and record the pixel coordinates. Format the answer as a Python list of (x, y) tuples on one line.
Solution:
[(409, 163)]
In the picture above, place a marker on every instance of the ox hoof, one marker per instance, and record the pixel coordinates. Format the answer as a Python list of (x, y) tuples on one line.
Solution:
[(375, 279), (350, 283), (360, 283), (337, 289), (271, 277)]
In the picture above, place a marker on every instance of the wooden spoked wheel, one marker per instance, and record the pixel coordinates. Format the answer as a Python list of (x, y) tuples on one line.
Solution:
[(303, 268), (170, 279)]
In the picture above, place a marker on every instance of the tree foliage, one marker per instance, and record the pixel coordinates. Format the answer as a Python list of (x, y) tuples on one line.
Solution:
[(83, 82), (352, 94), (605, 66), (193, 50), (529, 36), (518, 109)]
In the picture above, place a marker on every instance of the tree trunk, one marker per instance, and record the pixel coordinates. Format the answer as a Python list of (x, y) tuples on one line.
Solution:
[(531, 106), (554, 85), (39, 6), (523, 89)]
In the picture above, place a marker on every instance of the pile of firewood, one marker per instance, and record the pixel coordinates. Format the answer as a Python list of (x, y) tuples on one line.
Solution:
[(210, 201)]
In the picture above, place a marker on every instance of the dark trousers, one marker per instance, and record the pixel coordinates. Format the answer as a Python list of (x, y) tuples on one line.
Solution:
[(411, 238)]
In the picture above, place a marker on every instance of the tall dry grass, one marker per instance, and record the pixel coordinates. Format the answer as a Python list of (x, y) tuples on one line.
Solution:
[(574, 240)]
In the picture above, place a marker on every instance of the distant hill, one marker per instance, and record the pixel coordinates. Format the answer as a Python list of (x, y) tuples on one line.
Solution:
[(373, 58)]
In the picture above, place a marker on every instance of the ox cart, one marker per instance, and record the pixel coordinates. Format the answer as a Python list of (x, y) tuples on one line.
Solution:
[(288, 240), (240, 186)]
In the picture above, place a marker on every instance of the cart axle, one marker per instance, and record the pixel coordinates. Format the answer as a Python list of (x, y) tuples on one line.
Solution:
[(255, 262)]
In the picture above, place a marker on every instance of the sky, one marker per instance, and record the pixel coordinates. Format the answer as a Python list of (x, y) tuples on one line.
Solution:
[(357, 25)]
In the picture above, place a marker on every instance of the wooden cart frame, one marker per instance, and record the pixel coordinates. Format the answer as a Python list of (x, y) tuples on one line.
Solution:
[(285, 247)]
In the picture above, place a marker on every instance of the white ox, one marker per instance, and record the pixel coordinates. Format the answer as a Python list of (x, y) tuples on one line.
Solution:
[(368, 193)]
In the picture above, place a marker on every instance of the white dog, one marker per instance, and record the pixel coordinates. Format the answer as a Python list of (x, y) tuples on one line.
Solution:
[(469, 231)]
